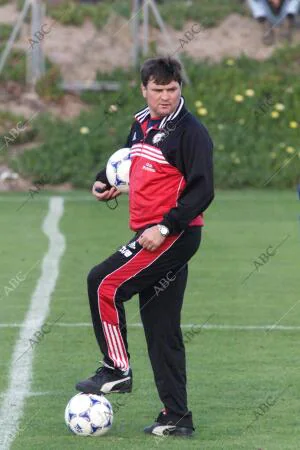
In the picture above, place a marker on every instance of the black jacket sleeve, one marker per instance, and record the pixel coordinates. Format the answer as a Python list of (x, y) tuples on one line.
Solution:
[(101, 176), (195, 162)]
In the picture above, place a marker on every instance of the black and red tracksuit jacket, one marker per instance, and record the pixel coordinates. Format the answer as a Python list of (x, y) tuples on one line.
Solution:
[(171, 173)]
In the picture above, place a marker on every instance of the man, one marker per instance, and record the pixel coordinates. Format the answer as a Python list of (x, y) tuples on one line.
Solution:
[(271, 13), (171, 184)]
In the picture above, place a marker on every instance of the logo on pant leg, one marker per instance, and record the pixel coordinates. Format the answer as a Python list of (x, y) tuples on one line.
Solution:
[(125, 251), (132, 245)]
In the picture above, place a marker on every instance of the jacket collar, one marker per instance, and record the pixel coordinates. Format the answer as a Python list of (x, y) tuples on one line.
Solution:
[(144, 114)]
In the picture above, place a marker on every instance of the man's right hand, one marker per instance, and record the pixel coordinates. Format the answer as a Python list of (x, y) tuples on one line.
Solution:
[(106, 195)]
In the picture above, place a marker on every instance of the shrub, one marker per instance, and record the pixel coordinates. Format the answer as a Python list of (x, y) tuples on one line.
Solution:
[(251, 109), (73, 13), (5, 31), (14, 129), (15, 66), (174, 12), (48, 85), (68, 154)]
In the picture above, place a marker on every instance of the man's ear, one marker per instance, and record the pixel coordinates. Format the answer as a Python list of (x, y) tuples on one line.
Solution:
[(144, 90)]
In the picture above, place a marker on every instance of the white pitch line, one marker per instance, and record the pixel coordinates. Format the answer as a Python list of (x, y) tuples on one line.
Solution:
[(42, 196), (39, 394), (21, 368), (45, 198), (186, 326)]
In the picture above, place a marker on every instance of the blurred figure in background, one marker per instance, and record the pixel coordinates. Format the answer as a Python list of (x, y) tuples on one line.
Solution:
[(271, 13)]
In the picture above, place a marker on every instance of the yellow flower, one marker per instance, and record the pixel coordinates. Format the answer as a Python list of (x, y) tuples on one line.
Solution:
[(249, 92), (273, 155), (239, 98), (293, 124), (230, 62), (290, 150), (202, 111), (113, 108), (198, 104), (242, 121), (279, 107), (275, 114), (84, 130)]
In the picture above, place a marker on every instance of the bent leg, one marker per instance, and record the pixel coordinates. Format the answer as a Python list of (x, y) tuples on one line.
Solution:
[(127, 272), (161, 321)]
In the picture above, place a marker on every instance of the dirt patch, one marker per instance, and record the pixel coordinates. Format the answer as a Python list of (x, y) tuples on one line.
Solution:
[(9, 13), (81, 51), (235, 36)]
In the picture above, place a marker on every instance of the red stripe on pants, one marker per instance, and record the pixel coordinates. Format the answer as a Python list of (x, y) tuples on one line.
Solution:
[(106, 299)]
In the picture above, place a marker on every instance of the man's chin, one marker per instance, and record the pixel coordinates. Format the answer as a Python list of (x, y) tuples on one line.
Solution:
[(164, 111)]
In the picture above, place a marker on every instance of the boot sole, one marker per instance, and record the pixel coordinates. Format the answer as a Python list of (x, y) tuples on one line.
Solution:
[(87, 390), (178, 432)]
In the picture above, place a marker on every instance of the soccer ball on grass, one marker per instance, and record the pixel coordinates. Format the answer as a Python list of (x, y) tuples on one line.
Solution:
[(89, 415)]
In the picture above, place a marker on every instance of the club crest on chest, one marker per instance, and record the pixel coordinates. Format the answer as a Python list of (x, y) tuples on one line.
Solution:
[(158, 137)]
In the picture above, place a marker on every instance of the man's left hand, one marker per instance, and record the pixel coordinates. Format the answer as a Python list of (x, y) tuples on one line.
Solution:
[(151, 238)]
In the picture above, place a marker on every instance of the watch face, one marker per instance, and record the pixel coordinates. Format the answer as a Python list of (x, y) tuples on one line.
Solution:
[(164, 230)]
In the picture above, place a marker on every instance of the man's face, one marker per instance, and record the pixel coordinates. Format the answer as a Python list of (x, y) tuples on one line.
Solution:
[(276, 3), (162, 99)]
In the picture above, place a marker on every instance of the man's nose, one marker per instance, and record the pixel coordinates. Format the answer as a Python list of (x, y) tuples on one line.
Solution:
[(165, 95)]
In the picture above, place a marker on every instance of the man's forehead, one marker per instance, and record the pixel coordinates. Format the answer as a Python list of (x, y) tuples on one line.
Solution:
[(171, 84)]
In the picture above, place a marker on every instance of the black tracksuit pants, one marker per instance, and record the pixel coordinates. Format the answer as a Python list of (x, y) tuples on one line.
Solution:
[(160, 279)]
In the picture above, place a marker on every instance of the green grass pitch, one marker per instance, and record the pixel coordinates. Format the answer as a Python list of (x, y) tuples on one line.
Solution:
[(243, 383)]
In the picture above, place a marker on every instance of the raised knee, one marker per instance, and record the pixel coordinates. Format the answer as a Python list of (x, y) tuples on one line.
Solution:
[(95, 276)]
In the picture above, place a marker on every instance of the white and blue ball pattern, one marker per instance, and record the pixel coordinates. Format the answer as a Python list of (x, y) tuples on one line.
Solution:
[(117, 169), (89, 415)]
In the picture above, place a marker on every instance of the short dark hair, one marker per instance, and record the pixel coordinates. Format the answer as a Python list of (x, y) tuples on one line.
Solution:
[(162, 70)]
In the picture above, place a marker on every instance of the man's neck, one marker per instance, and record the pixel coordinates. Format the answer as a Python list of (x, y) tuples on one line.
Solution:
[(155, 117)]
